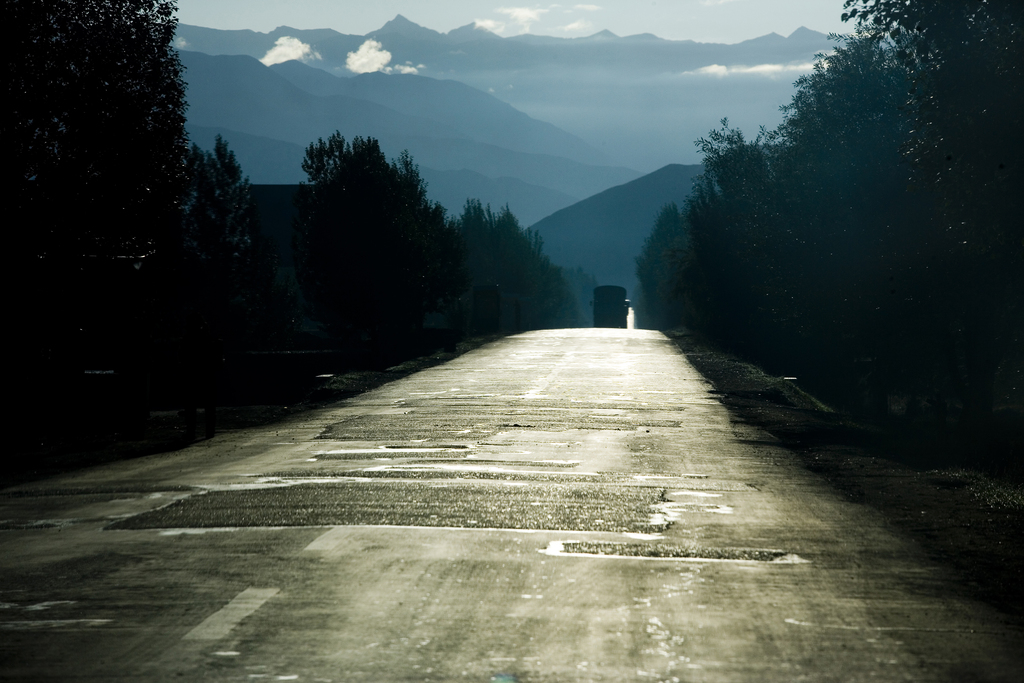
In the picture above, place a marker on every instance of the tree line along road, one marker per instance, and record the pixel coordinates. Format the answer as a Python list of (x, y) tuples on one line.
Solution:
[(560, 505)]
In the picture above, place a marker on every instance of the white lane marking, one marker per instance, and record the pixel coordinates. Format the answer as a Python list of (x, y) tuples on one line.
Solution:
[(642, 537), (891, 628), (49, 623), (329, 540), (698, 494), (655, 477), (220, 623), (39, 606)]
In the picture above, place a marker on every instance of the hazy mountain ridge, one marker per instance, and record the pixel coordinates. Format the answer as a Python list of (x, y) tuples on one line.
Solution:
[(274, 162), (604, 234), (266, 161), (640, 101), (407, 40), (238, 93), (450, 103)]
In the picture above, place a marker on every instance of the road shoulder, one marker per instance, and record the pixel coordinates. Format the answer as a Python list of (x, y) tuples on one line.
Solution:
[(959, 517)]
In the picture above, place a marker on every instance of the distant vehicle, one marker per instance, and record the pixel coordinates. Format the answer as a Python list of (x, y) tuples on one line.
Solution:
[(611, 307)]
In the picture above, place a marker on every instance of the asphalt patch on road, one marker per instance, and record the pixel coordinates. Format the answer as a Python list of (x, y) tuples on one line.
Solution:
[(663, 551), (568, 464), (410, 471), (449, 420), (572, 507), (368, 454), (430, 473)]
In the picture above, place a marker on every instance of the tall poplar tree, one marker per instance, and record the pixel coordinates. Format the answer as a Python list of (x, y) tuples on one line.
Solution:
[(372, 253)]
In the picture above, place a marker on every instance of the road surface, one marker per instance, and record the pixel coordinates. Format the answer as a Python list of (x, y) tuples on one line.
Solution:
[(562, 505)]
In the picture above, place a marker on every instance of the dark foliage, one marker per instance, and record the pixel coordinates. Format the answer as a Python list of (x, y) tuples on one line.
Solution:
[(833, 249), (372, 253), (501, 252), (230, 266), (967, 146), (660, 306), (94, 134), (95, 149)]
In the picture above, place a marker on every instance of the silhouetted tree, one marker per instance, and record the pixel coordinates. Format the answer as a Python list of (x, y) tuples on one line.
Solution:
[(731, 212), (372, 252), (809, 253), (94, 144), (94, 130), (501, 252), (849, 245), (657, 269), (230, 266), (967, 146)]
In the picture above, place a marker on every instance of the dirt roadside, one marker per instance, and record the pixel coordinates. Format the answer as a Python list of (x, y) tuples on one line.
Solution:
[(68, 449), (964, 519)]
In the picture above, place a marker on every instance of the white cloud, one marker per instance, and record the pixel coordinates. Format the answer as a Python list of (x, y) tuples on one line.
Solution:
[(587, 8), (287, 48), (488, 25), (775, 69), (710, 70), (770, 70), (371, 57), (180, 43), (577, 26), (523, 16)]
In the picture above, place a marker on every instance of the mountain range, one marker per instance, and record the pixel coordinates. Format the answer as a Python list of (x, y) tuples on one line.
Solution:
[(269, 115), (641, 101), (581, 138), (604, 234)]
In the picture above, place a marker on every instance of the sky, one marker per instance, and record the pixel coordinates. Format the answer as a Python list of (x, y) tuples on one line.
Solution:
[(710, 21)]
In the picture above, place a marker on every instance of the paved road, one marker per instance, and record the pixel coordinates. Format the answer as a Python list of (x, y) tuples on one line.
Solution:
[(564, 505)]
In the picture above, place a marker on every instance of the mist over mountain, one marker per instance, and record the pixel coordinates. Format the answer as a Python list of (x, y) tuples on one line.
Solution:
[(265, 160), (530, 203), (477, 114), (274, 162), (446, 126), (553, 127), (639, 100), (604, 234)]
